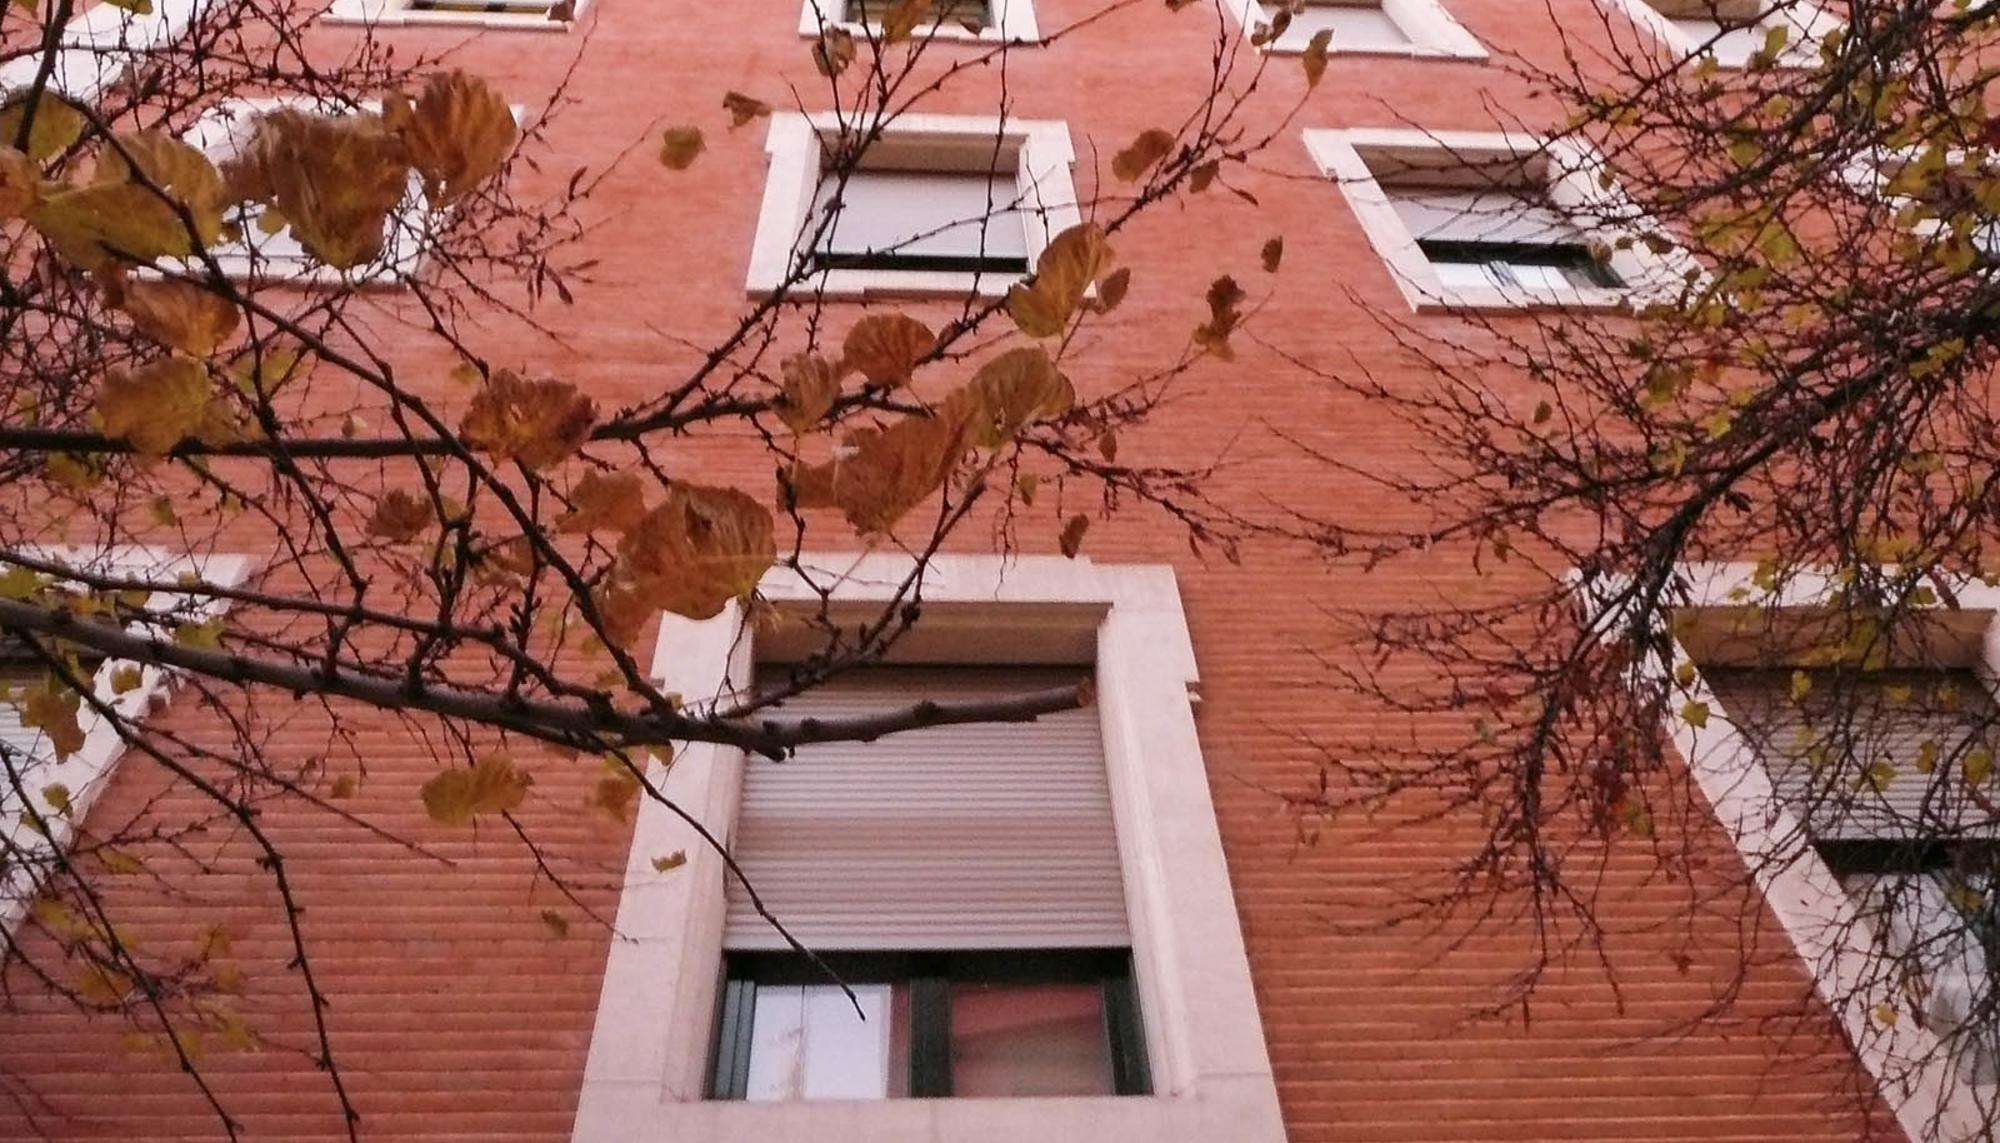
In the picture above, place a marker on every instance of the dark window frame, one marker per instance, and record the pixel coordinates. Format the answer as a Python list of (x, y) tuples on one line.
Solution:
[(1573, 258), (929, 975)]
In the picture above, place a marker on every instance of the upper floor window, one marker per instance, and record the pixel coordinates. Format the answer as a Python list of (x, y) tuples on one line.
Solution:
[(1383, 27), (1735, 32), (944, 20), (938, 205), (964, 881), (1035, 917), (263, 246), (1491, 221), (545, 15)]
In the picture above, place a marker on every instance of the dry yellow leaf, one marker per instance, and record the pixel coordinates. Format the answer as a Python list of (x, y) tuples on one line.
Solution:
[(535, 423), (493, 785), (701, 548), (335, 178), (1065, 270), (885, 348), (809, 387), (157, 406), (180, 315), (614, 502), (457, 135)]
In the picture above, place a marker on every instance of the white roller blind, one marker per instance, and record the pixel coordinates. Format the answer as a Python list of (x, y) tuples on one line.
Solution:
[(977, 836), (1355, 26), (1884, 717), (1444, 214), (925, 214)]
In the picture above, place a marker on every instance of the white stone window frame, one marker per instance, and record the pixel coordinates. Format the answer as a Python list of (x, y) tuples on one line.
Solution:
[(1013, 23), (1932, 1099), (1574, 185), (1434, 33), (97, 44), (410, 226), (1800, 51), (1870, 175), (1047, 195), (396, 13), (646, 1074), (88, 771)]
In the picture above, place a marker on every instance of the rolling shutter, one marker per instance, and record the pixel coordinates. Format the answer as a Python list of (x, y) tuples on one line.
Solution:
[(1485, 215), (1887, 718), (926, 214), (959, 837)]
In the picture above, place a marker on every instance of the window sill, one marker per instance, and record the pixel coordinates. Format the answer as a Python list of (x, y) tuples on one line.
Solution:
[(1228, 1108), (493, 21), (1413, 52), (928, 33), (1497, 299)]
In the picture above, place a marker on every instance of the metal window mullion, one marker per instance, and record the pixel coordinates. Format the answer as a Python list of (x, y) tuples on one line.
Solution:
[(729, 1078), (1130, 1072), (930, 1037)]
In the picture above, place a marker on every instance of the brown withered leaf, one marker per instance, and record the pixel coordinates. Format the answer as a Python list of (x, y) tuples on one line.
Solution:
[(743, 108), (334, 178), (1315, 56), (885, 348), (400, 516), (115, 215), (457, 135), (52, 708), (20, 183), (701, 548), (180, 315), (56, 127), (1201, 177), (1071, 541), (534, 423), (680, 147), (1111, 290), (885, 472), (1009, 392), (1224, 299), (808, 389), (904, 19), (1142, 154), (492, 785), (1272, 254), (1065, 270), (155, 407), (833, 51), (613, 502)]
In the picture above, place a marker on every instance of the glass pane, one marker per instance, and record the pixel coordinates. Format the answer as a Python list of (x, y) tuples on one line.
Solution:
[(1017, 1040), (808, 1042), (1463, 275)]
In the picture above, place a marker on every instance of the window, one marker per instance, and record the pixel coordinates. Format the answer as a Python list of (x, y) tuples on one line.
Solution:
[(1383, 27), (82, 773), (526, 15), (1733, 31), (1492, 221), (886, 218), (97, 45), (1913, 844), (1025, 1022), (1061, 952), (1935, 194), (1844, 788), (958, 871), (991, 20), (940, 204)]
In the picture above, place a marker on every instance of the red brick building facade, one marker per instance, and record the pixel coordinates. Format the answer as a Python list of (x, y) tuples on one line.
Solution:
[(457, 1014)]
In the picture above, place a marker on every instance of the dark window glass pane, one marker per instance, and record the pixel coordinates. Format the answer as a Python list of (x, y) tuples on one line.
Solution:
[(1018, 1040)]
